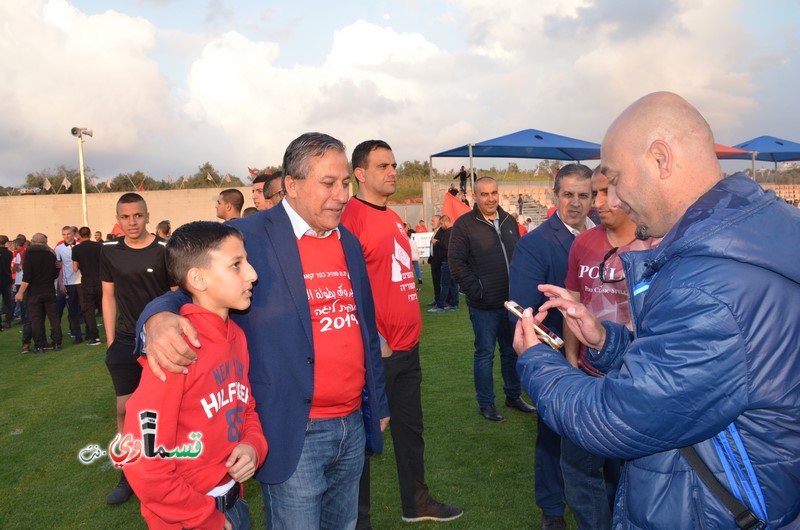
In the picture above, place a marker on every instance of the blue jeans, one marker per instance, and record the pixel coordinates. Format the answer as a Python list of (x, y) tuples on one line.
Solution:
[(585, 486), (448, 288), (417, 270), (73, 311), (491, 326), (239, 514), (322, 493)]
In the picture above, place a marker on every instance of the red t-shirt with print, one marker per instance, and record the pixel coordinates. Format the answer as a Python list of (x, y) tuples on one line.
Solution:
[(339, 372), (391, 274)]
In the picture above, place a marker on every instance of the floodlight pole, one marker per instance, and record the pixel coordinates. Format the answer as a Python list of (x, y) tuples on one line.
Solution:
[(78, 133), (83, 181)]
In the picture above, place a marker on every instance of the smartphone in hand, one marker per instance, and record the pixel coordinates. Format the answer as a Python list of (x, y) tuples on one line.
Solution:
[(542, 332)]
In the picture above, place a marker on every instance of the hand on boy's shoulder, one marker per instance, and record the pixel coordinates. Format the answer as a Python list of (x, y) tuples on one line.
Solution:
[(242, 462), (167, 346)]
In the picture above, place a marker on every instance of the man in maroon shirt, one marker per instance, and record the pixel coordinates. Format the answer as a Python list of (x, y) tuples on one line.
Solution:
[(596, 279)]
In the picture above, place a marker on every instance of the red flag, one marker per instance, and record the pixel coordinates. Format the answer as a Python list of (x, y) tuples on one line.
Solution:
[(453, 208), (141, 186)]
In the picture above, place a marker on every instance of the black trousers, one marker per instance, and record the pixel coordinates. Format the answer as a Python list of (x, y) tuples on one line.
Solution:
[(40, 306), (27, 332), (90, 296), (7, 292), (403, 379)]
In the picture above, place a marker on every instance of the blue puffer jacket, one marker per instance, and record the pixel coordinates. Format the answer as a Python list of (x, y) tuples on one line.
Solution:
[(716, 341)]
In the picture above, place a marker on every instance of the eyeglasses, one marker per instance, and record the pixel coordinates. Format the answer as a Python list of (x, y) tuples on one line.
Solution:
[(613, 273), (279, 192)]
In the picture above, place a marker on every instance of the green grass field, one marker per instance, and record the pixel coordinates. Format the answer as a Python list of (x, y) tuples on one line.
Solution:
[(54, 404)]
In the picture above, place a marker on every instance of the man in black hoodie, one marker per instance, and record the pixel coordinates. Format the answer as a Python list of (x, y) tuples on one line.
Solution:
[(481, 246), (39, 273)]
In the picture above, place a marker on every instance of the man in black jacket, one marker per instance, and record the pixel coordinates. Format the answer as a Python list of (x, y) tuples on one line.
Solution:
[(448, 294), (39, 273), (481, 246), (86, 259), (6, 283), (435, 261)]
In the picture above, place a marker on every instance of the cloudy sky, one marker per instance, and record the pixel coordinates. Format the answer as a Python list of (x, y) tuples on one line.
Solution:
[(169, 84)]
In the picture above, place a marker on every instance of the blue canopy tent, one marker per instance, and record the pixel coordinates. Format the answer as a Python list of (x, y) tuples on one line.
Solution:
[(768, 149), (528, 143)]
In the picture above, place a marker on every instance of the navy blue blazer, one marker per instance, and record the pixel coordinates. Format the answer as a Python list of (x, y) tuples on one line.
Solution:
[(541, 257), (279, 336)]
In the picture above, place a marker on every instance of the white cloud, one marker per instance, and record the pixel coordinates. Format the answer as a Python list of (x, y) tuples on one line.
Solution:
[(567, 66), (67, 69)]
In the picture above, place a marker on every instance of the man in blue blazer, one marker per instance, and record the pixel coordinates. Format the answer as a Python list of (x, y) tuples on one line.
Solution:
[(303, 379), (541, 257)]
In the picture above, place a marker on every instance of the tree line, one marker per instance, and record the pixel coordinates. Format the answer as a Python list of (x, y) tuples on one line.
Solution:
[(411, 175)]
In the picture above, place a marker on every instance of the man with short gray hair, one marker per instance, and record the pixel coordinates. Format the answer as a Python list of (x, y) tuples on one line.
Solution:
[(542, 257), (39, 272), (314, 347), (481, 246), (448, 288)]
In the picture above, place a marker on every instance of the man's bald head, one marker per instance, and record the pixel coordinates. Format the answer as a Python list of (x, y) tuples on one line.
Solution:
[(659, 158)]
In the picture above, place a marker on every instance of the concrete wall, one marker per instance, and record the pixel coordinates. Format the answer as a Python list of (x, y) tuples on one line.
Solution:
[(28, 214)]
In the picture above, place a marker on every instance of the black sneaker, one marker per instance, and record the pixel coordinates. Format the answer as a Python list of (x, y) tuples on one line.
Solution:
[(433, 510), (95, 342), (121, 493)]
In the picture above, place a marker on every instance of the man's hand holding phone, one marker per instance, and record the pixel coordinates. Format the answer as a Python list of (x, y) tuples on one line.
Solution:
[(586, 327), (540, 332)]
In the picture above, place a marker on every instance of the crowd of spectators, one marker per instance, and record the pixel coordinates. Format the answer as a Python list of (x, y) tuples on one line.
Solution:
[(647, 261)]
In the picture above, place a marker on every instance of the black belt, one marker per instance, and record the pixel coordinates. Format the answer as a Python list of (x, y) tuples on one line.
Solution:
[(226, 502)]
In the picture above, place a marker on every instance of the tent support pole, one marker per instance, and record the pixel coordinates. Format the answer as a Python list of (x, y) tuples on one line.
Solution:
[(471, 169), (430, 195)]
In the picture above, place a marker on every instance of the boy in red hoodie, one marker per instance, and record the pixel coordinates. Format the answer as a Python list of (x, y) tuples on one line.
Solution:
[(197, 435)]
